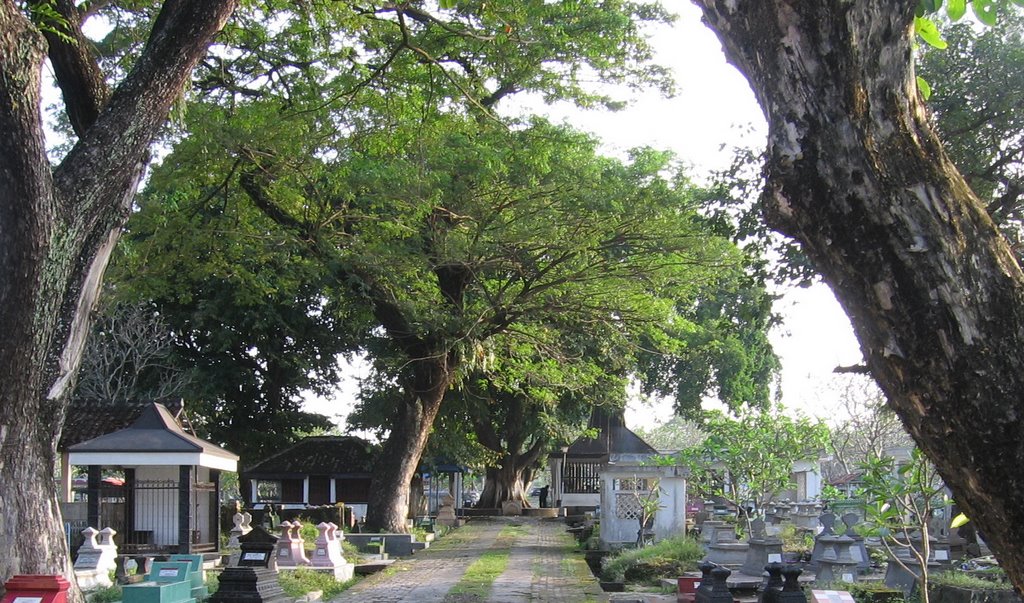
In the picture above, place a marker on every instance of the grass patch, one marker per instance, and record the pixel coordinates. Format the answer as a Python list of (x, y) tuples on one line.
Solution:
[(299, 582), (667, 558)]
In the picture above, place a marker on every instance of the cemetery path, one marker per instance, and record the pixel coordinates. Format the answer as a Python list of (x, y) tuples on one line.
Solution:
[(509, 560)]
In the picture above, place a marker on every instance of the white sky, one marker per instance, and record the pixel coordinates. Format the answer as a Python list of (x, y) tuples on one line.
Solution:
[(714, 107)]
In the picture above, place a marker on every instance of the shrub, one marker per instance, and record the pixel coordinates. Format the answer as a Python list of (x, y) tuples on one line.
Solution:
[(667, 558), (107, 594), (966, 580), (867, 592), (795, 540)]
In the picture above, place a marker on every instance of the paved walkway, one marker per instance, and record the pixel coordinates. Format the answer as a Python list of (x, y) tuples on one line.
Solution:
[(542, 566)]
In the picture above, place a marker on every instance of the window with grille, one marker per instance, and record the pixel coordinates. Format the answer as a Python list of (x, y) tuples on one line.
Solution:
[(581, 478)]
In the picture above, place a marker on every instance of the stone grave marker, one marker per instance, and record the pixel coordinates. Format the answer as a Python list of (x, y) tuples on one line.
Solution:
[(291, 547), (196, 573), (327, 556), (254, 580), (167, 582), (761, 549), (95, 560)]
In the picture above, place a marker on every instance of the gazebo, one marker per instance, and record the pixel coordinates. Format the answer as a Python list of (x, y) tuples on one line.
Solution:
[(169, 502), (612, 472), (576, 471)]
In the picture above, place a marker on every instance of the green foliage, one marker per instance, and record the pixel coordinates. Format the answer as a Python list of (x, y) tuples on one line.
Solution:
[(979, 80), (667, 558), (747, 459), (902, 499), (795, 540), (46, 17), (298, 582), (107, 594), (869, 592), (309, 533), (987, 12), (971, 581)]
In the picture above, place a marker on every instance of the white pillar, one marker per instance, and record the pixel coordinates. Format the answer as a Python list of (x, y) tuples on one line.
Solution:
[(305, 490), (334, 490)]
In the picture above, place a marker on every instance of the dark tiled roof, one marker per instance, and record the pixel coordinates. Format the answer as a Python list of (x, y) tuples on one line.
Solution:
[(319, 455), (88, 419), (848, 478), (613, 438), (154, 430)]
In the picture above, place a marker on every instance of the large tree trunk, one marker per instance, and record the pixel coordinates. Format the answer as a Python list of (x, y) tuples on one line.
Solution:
[(57, 230), (509, 438), (857, 175), (504, 483), (388, 506)]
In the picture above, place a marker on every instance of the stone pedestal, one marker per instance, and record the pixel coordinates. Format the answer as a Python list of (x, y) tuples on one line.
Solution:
[(773, 585), (446, 512)]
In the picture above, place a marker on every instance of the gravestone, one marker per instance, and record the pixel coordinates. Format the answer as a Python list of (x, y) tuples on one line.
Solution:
[(254, 580), (196, 572), (291, 548), (723, 548), (242, 526), (94, 562), (836, 563), (713, 532), (762, 549), (857, 550), (782, 510), (902, 570), (828, 522), (167, 582), (327, 556)]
